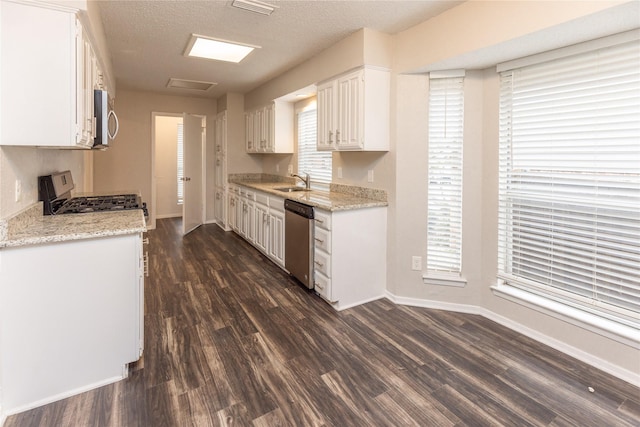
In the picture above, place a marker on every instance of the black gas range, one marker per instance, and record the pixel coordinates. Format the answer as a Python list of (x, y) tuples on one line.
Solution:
[(55, 193)]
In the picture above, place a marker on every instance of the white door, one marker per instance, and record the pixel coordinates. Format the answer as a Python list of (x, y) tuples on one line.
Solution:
[(192, 178)]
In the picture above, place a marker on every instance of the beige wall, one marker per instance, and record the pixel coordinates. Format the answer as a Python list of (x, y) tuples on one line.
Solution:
[(419, 49), (25, 164), (126, 165), (166, 153)]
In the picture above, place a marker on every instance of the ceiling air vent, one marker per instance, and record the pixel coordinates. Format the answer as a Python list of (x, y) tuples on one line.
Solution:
[(254, 6), (190, 84)]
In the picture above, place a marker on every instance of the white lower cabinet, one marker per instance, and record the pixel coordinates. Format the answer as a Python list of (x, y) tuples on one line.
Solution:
[(261, 225), (259, 218), (350, 255), (276, 233), (70, 321)]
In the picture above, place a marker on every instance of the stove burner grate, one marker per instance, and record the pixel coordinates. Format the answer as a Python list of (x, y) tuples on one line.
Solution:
[(100, 204)]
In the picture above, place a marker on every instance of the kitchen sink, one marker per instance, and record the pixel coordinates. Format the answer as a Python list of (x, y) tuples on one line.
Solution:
[(290, 189)]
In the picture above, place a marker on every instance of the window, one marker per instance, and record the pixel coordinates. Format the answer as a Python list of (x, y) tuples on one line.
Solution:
[(315, 163), (180, 165), (444, 199), (569, 188)]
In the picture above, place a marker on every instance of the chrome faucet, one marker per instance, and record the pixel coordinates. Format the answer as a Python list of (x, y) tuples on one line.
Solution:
[(306, 180)]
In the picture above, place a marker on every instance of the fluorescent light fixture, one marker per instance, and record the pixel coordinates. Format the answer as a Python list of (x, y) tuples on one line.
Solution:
[(190, 84), (220, 50), (254, 6)]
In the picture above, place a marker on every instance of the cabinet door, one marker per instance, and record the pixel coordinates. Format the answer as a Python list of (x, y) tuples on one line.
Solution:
[(268, 128), (276, 237), (261, 227), (350, 112), (326, 116), (219, 207), (249, 132), (232, 210), (42, 77), (86, 118)]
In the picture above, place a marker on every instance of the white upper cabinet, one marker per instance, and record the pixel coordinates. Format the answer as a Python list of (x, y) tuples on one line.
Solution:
[(353, 111), (269, 129), (49, 72)]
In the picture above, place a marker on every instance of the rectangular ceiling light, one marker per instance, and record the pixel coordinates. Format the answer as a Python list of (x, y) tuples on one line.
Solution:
[(220, 50), (190, 84), (254, 6)]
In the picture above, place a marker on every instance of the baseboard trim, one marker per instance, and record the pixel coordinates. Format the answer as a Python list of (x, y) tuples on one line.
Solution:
[(60, 396), (618, 372), (166, 216)]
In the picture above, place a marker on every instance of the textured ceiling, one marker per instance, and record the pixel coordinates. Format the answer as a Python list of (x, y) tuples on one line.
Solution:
[(147, 38)]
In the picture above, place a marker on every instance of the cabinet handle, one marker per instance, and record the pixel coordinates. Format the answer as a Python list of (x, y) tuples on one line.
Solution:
[(318, 240), (318, 263), (330, 137), (318, 285), (337, 136), (319, 220), (145, 241)]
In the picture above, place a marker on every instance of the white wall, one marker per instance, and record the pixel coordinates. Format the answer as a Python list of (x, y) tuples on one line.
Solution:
[(166, 168)]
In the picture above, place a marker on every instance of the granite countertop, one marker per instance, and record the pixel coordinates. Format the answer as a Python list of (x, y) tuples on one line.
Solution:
[(340, 198), (30, 227)]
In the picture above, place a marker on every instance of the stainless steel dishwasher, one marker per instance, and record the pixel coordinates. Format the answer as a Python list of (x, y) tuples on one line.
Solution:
[(298, 241)]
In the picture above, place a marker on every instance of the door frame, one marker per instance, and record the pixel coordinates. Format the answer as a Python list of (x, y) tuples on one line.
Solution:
[(152, 211)]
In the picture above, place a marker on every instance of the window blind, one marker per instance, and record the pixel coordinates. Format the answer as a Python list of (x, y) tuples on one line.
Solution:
[(180, 164), (444, 197), (315, 163), (569, 186)]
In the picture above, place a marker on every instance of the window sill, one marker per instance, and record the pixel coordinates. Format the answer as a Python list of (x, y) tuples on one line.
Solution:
[(444, 279), (592, 322)]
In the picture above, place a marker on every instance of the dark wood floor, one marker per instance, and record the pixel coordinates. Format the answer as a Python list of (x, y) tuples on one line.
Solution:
[(232, 341)]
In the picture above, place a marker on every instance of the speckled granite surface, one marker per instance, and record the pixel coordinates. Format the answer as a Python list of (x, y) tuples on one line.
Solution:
[(340, 198), (30, 227)]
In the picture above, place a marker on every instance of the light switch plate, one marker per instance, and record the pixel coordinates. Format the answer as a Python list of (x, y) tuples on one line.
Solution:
[(290, 169), (370, 175), (339, 171), (416, 263)]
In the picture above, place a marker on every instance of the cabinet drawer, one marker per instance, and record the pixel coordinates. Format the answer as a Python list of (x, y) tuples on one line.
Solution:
[(322, 285), (276, 203), (322, 263), (322, 219), (262, 198), (323, 239)]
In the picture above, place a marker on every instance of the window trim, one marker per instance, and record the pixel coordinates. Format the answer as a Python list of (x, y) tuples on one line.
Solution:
[(445, 85)]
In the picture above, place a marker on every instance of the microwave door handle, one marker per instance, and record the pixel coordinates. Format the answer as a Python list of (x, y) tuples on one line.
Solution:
[(115, 117)]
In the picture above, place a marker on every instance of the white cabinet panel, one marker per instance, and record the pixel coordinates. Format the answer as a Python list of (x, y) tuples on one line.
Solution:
[(350, 255), (269, 129), (66, 333), (47, 82), (353, 111)]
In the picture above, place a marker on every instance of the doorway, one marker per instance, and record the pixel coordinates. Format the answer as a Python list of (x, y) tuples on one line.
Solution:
[(168, 181)]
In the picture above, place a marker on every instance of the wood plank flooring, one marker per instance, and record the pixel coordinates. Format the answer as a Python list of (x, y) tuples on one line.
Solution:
[(231, 340)]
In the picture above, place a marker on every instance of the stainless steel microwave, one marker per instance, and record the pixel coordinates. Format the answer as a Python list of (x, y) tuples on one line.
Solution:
[(106, 120)]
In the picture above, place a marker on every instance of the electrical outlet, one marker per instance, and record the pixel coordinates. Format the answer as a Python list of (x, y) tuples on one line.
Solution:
[(290, 169), (416, 263), (339, 171), (18, 190), (370, 175), (277, 168)]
